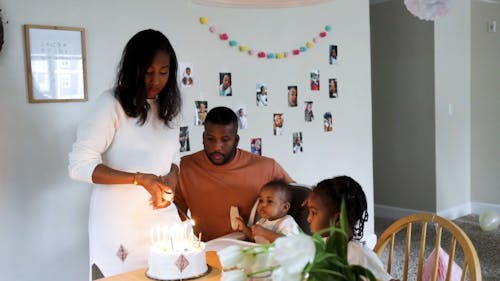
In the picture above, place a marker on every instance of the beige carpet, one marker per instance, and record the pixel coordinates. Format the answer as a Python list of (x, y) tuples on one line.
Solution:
[(487, 246)]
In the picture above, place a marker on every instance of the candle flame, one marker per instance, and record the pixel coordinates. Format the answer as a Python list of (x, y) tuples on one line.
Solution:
[(193, 223)]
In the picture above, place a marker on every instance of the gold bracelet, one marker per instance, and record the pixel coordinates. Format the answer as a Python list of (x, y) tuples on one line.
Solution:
[(136, 175)]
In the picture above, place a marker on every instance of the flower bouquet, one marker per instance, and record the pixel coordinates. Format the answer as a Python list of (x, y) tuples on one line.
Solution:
[(295, 258)]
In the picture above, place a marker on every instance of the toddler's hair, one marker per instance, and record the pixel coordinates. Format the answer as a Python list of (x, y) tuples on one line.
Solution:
[(332, 191), (280, 187)]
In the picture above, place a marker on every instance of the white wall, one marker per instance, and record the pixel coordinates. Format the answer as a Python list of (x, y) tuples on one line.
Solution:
[(485, 104), (452, 41), (44, 213)]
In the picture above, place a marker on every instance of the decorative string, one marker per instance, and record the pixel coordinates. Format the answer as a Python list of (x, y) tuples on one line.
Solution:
[(267, 54)]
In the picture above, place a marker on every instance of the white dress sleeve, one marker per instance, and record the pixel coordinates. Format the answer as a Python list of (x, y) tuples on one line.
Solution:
[(95, 134)]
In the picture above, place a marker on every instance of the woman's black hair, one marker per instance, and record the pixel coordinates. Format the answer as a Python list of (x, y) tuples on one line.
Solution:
[(332, 191), (130, 88)]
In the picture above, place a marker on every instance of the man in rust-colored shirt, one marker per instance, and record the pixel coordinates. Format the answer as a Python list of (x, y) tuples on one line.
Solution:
[(220, 176)]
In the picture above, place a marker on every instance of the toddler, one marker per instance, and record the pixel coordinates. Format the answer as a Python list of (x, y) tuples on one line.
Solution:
[(324, 206), (274, 203)]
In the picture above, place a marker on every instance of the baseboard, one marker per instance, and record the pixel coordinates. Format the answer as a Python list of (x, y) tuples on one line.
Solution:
[(479, 207), (456, 212), (385, 211)]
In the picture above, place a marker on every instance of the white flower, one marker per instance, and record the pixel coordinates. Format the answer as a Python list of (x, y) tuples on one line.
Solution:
[(233, 275), (280, 274), (230, 256), (294, 252)]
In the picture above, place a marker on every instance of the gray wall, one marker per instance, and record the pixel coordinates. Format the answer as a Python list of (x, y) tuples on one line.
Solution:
[(485, 104), (44, 214), (462, 83), (403, 108)]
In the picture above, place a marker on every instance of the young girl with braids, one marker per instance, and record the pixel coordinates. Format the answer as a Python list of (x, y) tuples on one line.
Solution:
[(324, 207)]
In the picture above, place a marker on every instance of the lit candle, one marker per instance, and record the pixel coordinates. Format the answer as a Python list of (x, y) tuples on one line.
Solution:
[(158, 232), (164, 232), (151, 235)]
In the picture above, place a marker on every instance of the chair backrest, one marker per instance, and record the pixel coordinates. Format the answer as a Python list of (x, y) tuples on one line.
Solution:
[(447, 234), (297, 211)]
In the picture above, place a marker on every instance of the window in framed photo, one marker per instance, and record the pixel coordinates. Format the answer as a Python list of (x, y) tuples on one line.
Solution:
[(55, 63)]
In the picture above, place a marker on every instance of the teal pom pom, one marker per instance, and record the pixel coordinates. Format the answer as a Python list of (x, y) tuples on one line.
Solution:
[(233, 43), (303, 49), (328, 28), (270, 56)]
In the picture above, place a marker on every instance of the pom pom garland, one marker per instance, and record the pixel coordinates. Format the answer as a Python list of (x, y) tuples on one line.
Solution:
[(269, 55), (203, 20)]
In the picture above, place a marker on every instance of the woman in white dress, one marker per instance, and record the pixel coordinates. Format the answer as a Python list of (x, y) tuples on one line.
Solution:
[(128, 147)]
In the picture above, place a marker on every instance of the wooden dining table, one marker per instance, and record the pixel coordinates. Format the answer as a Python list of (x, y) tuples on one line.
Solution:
[(214, 272)]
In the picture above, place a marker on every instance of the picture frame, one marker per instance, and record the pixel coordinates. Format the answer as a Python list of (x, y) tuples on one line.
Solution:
[(56, 65)]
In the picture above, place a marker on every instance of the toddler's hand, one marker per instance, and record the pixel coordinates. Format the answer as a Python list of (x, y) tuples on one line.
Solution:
[(258, 230), (240, 222)]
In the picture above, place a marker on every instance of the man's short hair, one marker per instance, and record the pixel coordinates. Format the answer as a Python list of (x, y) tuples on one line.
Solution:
[(222, 115)]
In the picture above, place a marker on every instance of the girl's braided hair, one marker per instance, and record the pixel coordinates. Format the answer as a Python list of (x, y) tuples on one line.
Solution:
[(332, 191)]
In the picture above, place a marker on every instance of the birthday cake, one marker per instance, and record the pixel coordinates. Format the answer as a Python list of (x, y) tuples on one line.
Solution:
[(173, 261)]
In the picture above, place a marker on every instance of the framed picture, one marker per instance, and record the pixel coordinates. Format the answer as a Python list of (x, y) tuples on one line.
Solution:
[(56, 67)]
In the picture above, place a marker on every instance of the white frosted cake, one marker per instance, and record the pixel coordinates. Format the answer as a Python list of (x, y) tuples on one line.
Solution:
[(184, 259)]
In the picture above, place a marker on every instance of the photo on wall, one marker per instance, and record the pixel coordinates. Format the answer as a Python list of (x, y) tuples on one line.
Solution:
[(184, 139), (241, 112), (292, 96), (327, 122), (261, 93), (297, 142), (308, 111), (332, 88), (200, 112), (225, 84), (186, 69), (333, 54), (278, 120), (256, 146), (315, 80)]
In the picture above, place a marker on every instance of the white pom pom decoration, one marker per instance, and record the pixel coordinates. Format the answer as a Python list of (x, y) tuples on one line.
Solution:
[(428, 9)]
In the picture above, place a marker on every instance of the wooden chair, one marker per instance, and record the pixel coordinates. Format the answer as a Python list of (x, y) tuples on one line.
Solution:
[(446, 233)]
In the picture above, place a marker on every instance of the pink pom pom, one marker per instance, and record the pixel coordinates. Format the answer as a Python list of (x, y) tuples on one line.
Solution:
[(287, 54), (224, 36), (261, 55), (212, 29), (315, 39), (251, 52), (296, 52), (322, 34)]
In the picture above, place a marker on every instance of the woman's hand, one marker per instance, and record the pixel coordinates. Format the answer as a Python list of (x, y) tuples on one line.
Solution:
[(156, 187)]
